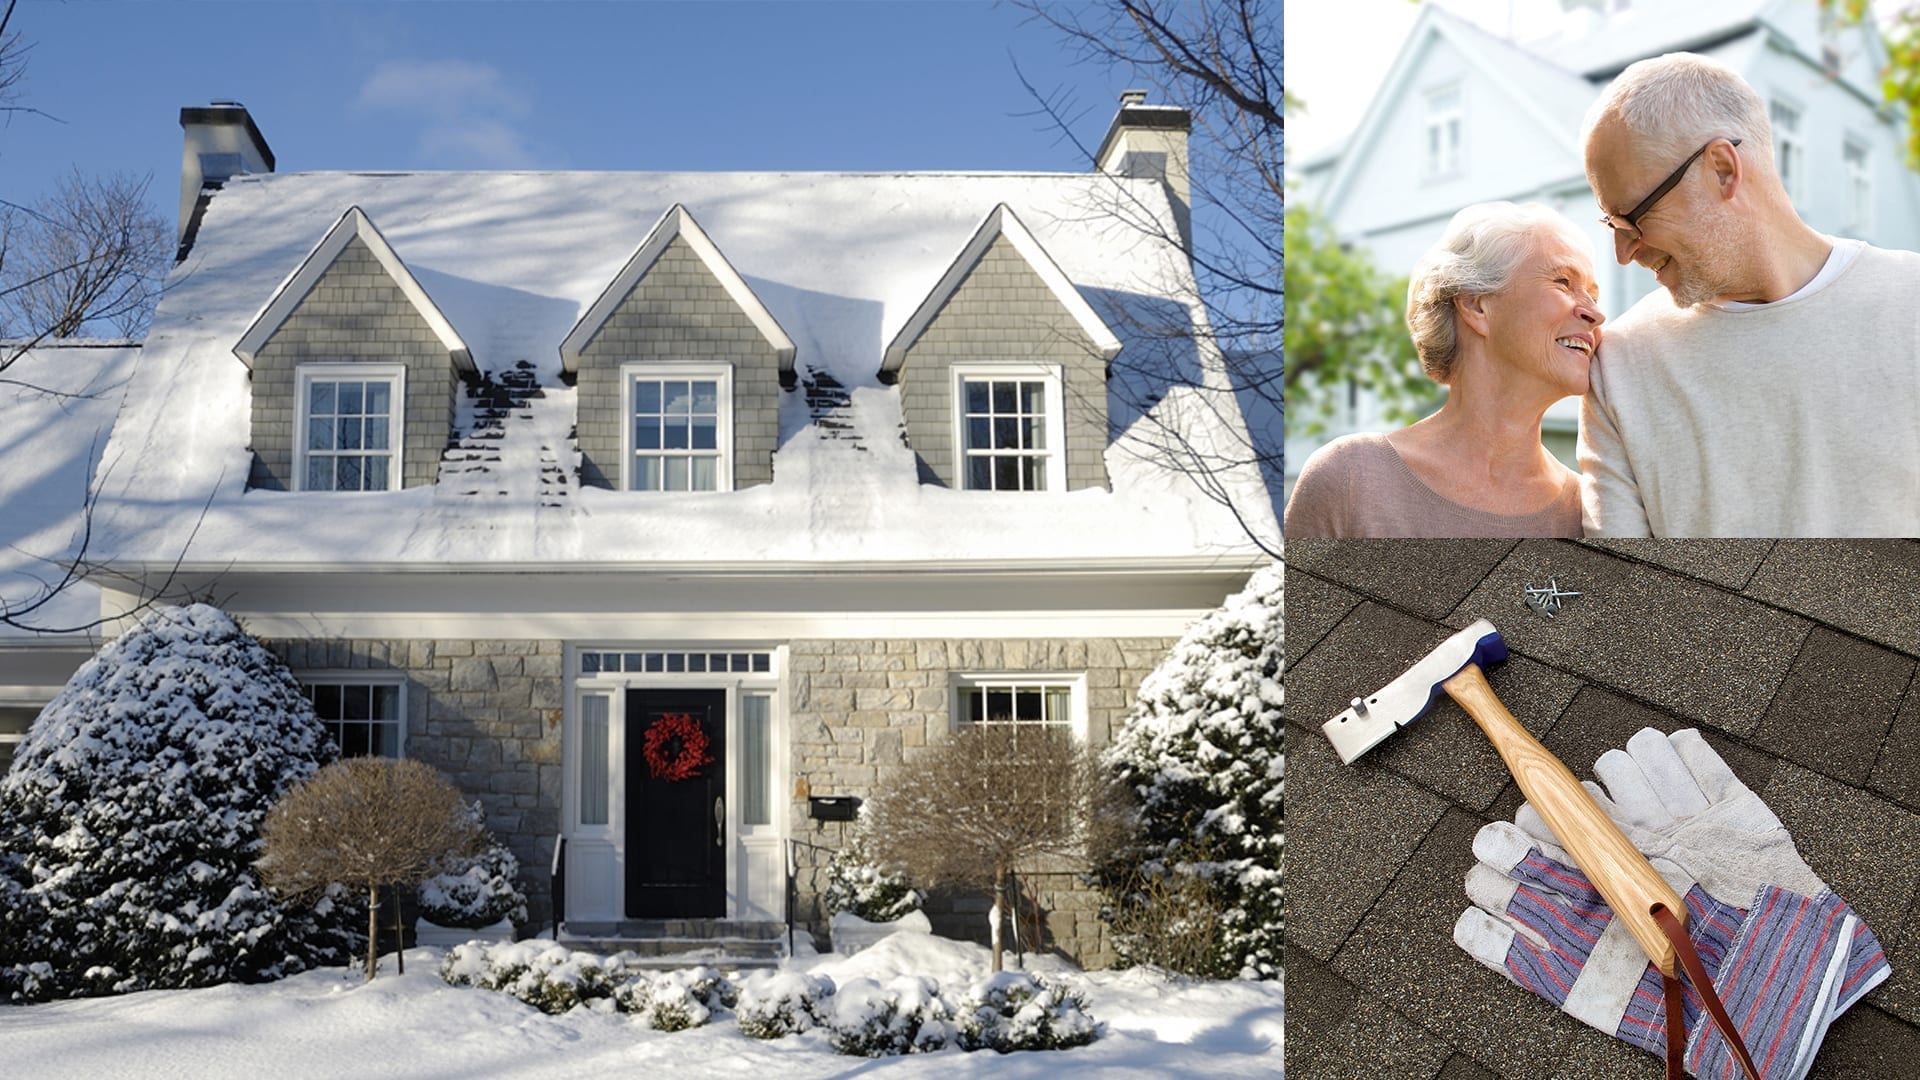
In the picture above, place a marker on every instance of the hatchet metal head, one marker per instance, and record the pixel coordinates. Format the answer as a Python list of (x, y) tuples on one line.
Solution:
[(1368, 722)]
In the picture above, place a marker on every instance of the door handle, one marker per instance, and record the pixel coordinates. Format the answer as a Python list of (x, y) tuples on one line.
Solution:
[(719, 821)]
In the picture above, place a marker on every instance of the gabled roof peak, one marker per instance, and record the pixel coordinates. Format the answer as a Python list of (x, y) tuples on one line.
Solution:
[(354, 223), (1000, 222), (676, 223)]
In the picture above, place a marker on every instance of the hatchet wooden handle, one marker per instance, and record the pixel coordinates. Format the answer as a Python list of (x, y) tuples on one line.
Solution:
[(1632, 886)]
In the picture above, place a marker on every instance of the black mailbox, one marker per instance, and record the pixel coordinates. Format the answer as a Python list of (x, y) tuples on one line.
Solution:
[(834, 807)]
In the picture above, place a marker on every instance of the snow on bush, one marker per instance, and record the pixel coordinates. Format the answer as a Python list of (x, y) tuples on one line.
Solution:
[(777, 1003), (1012, 1010), (476, 891), (132, 820), (1201, 751), (549, 977), (906, 1015), (676, 1000)]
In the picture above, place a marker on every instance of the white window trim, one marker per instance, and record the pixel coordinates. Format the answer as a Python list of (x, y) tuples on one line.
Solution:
[(396, 438), (1436, 118), (1075, 682), (1860, 217), (1056, 423), (1790, 144), (363, 677), (723, 438)]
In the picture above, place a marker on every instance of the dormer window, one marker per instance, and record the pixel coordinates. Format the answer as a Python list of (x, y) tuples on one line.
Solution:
[(1010, 430), (348, 435), (679, 429)]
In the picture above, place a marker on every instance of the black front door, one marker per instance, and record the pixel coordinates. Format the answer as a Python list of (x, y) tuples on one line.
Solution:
[(676, 809)]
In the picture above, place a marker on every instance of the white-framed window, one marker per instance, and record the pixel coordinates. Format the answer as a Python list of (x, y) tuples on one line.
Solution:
[(595, 779), (366, 716), (679, 427), (347, 433), (14, 722), (1857, 159), (1009, 431), (1446, 119), (1047, 701), (1789, 147)]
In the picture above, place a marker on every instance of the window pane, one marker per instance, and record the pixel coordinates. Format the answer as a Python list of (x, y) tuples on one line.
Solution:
[(1033, 476), (319, 474), (319, 434), (386, 702), (349, 434), (999, 705), (976, 397), (978, 429), (706, 433), (593, 760), (590, 663), (375, 433), (386, 740), (356, 702), (376, 474), (756, 760), (676, 474), (348, 474), (320, 397), (646, 474), (980, 474), (1035, 432), (1027, 705), (355, 740), (1059, 705), (646, 396), (677, 662), (677, 401), (696, 661), (350, 397), (706, 397), (1033, 397), (1006, 473), (646, 433), (762, 662), (974, 704), (1004, 396), (674, 434), (1006, 433), (706, 474), (326, 702), (379, 398)]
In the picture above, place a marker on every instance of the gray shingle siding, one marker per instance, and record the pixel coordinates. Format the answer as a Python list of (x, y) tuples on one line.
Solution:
[(356, 313), (678, 312), (1003, 312)]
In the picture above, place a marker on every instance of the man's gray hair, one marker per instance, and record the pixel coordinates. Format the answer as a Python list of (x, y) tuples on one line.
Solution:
[(1675, 103), (1483, 248)]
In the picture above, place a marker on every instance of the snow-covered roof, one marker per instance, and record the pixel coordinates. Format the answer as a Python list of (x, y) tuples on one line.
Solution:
[(515, 260), (57, 402)]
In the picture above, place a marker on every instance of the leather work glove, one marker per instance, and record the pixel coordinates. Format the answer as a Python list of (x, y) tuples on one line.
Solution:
[(1786, 955)]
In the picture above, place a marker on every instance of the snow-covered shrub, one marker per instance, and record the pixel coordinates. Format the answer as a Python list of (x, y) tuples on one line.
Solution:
[(549, 977), (858, 885), (1012, 1011), (905, 1016), (777, 1003), (478, 890), (676, 1000), (1201, 753), (133, 811)]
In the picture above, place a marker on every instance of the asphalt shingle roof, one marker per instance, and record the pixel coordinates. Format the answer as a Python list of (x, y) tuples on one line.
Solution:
[(1795, 659)]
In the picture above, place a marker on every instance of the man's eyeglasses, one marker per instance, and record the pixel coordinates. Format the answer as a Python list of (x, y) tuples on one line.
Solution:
[(1631, 219)]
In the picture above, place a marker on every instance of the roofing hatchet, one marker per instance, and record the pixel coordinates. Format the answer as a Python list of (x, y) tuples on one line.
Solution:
[(1632, 887)]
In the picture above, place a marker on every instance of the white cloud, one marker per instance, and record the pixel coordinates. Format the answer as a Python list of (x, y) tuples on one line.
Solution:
[(466, 110)]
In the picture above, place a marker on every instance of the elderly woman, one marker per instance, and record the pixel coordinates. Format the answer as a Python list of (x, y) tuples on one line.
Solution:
[(1502, 312)]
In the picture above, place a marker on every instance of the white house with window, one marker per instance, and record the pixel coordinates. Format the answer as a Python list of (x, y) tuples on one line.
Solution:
[(664, 512), (1487, 118)]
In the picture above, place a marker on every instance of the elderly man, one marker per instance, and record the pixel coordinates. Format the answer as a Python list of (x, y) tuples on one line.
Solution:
[(1773, 389)]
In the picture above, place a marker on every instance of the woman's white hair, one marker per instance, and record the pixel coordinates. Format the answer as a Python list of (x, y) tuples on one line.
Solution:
[(1483, 248), (1675, 103)]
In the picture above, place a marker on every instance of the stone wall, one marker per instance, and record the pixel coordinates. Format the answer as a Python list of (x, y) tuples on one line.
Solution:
[(488, 715), (1004, 312), (355, 313), (861, 707)]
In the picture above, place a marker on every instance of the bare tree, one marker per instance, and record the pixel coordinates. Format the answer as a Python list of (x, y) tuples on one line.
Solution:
[(92, 252), (1220, 60), (972, 809), (370, 822)]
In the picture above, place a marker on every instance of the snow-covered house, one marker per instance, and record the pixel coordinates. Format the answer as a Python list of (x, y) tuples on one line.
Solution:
[(1466, 116), (652, 506)]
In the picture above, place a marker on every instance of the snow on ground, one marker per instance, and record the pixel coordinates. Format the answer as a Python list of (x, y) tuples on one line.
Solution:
[(331, 1023)]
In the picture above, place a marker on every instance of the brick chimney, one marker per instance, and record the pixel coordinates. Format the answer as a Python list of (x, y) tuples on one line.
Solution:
[(1150, 142), (221, 143)]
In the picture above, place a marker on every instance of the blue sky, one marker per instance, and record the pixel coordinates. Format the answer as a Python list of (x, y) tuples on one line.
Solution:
[(725, 84)]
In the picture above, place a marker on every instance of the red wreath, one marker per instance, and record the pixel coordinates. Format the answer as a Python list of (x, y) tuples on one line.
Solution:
[(692, 754)]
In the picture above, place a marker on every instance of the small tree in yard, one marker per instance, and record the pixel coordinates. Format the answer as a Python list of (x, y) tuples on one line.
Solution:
[(971, 809), (130, 820), (367, 822), (1198, 887)]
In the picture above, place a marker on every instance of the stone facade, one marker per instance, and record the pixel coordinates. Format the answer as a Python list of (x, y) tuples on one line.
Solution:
[(355, 313), (1003, 312), (485, 713), (861, 707), (678, 312)]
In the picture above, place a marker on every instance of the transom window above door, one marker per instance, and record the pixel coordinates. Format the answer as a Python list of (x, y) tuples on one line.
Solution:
[(679, 428)]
